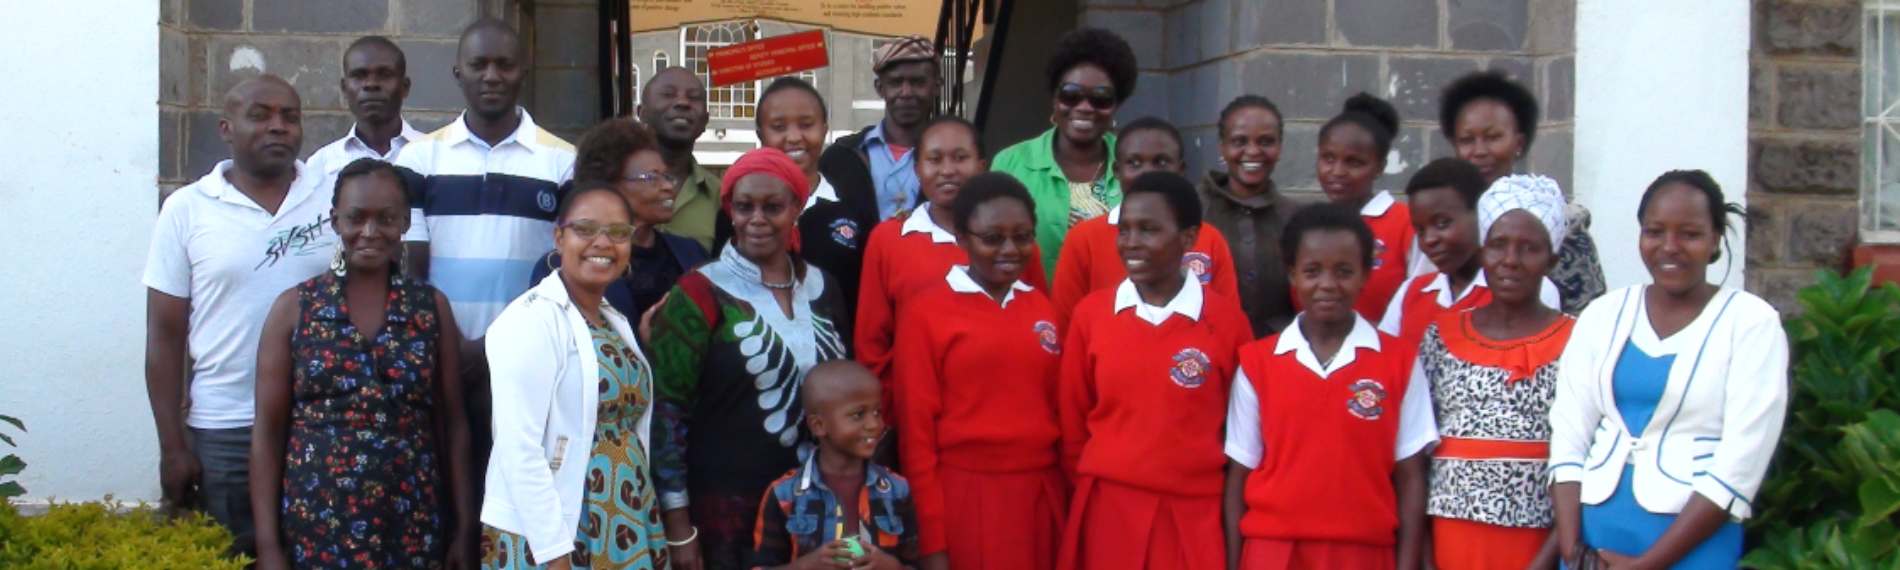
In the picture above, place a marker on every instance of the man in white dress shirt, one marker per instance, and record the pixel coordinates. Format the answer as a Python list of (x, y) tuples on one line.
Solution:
[(375, 82)]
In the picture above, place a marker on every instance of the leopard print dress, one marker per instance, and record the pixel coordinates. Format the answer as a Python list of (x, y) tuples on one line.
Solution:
[(1475, 401)]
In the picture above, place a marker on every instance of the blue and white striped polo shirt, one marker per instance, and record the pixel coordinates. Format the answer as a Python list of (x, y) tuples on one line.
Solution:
[(486, 212)]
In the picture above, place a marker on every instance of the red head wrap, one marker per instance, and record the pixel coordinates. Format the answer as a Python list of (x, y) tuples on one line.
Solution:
[(769, 161)]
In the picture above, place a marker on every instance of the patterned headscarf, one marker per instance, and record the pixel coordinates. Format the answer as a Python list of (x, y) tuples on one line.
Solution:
[(1538, 195), (770, 161)]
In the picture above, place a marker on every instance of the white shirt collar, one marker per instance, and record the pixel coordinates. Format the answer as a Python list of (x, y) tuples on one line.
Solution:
[(1378, 204), (1292, 340), (353, 143), (825, 192), (1441, 284), (524, 134), (1115, 216), (961, 282), (919, 221), (1187, 303), (216, 186)]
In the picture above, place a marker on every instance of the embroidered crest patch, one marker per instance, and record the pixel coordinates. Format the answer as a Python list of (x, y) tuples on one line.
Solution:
[(845, 232), (1046, 335), (1368, 399), (1378, 252), (1190, 368), (1200, 264)]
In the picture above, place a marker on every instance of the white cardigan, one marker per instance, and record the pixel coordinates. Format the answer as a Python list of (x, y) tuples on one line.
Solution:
[(544, 376), (1715, 427)]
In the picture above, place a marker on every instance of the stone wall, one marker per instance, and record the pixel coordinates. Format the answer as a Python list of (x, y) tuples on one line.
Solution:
[(1804, 138), (206, 46), (1309, 55)]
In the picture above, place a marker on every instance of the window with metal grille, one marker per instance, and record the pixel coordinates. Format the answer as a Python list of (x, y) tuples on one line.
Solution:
[(736, 101), (1880, 125)]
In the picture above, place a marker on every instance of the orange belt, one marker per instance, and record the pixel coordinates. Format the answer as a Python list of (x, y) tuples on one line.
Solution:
[(1463, 448)]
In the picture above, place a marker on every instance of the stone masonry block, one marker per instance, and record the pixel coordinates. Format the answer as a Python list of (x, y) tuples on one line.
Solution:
[(1150, 99), (1406, 157), (1761, 85), (1791, 28), (1200, 150), (1192, 96), (170, 143), (1806, 167), (312, 65), (168, 11), (1393, 23), (1279, 22), (327, 17), (1492, 25), (1217, 27), (1297, 153), (1553, 26), (1560, 88), (1550, 156), (566, 37), (429, 121), (436, 17), (566, 98), (432, 84), (1183, 27), (1820, 231), (1415, 83), (1818, 98), (1767, 229), (174, 66), (1142, 28), (1520, 69), (215, 14), (1309, 86), (204, 147), (1778, 287)]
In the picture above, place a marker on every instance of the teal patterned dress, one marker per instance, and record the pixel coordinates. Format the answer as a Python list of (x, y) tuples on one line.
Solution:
[(620, 519)]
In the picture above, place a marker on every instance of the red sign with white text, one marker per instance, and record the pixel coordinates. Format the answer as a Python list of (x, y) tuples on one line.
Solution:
[(769, 57)]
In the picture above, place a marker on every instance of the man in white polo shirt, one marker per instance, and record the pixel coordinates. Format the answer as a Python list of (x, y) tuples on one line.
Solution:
[(375, 82), (222, 249), (483, 209)]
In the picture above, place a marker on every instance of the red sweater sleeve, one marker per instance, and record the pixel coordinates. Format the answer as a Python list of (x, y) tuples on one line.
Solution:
[(1072, 275), (1076, 393), (875, 319), (915, 373)]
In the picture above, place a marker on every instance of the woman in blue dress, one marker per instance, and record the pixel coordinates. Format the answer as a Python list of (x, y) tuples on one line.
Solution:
[(1670, 399)]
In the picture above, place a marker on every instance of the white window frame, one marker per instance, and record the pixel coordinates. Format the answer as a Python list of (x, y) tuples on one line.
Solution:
[(738, 101), (636, 84), (1880, 122), (660, 61)]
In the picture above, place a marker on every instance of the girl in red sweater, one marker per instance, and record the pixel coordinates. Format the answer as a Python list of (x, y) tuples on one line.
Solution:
[(977, 435), (1325, 431), (1352, 151), (1145, 373), (1090, 261)]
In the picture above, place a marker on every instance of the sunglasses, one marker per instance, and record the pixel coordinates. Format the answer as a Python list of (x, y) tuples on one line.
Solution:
[(651, 177), (588, 230), (1071, 94)]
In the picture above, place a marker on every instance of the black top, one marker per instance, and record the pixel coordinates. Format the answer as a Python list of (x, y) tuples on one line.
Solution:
[(833, 235)]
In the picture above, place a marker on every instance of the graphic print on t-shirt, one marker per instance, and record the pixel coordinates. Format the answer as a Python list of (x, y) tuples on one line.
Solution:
[(296, 241)]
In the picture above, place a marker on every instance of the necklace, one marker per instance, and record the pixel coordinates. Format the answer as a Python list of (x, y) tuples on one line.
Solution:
[(788, 284)]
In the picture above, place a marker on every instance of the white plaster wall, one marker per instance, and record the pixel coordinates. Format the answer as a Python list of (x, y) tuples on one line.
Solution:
[(77, 200), (1660, 86)]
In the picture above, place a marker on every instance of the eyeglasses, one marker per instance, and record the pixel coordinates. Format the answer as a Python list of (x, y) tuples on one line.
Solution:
[(588, 230), (651, 177), (1071, 94)]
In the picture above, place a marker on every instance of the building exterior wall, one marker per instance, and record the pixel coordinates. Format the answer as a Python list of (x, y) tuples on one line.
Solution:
[(1804, 142), (76, 210), (1308, 56)]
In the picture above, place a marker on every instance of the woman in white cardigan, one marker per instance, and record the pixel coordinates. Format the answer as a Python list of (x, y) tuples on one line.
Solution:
[(568, 484), (1670, 399)]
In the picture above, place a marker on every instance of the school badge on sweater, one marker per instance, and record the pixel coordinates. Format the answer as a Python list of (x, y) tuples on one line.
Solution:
[(1046, 335), (1368, 399), (1190, 368)]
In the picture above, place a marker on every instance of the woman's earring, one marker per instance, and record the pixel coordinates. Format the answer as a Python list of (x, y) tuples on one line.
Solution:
[(337, 264), (402, 262)]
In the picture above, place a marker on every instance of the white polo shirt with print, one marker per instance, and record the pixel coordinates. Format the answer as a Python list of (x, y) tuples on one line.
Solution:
[(216, 247), (487, 212)]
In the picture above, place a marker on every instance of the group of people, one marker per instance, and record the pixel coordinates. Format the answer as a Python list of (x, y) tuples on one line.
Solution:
[(485, 347)]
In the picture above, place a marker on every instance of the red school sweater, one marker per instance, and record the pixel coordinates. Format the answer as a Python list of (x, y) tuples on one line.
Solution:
[(1090, 262), (1419, 308), (1325, 470), (1391, 245), (1144, 405), (898, 267), (962, 408)]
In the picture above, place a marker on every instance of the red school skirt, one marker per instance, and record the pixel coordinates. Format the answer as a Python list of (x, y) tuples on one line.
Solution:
[(1114, 526), (1003, 521), (1274, 554)]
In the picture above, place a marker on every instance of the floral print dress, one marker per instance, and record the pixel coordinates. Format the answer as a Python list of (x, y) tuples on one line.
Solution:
[(360, 470), (620, 518)]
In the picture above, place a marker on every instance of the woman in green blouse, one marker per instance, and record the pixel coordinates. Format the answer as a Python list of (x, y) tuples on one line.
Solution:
[(1069, 169)]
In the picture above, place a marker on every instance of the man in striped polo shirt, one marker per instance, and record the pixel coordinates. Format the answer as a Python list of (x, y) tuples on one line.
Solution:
[(483, 211)]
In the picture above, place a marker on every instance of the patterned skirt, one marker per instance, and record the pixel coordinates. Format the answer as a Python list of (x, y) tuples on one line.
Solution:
[(620, 521)]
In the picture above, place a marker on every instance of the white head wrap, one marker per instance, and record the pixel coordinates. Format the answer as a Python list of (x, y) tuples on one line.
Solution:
[(1537, 195)]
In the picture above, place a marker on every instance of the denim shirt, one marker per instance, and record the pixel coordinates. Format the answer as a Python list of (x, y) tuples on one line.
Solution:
[(800, 515), (894, 178)]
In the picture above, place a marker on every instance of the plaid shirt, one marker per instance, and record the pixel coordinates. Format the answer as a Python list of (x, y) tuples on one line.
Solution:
[(799, 515)]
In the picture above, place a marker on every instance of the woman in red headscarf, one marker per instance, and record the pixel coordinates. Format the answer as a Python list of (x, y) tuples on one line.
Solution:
[(731, 344)]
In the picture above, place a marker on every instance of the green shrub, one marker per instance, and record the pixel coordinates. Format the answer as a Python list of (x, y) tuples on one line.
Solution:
[(1831, 497), (105, 536), (10, 464)]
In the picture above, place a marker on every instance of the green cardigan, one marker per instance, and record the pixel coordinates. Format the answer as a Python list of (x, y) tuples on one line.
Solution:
[(1033, 162)]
